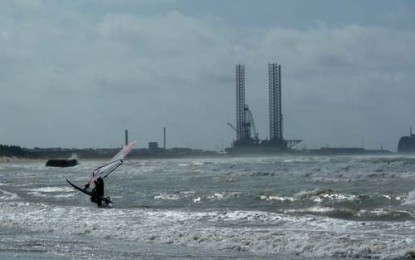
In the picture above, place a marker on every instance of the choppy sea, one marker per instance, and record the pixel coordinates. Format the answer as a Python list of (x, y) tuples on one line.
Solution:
[(280, 207)]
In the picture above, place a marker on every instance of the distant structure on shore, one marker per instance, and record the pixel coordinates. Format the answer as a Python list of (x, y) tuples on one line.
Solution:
[(164, 138), (61, 163), (407, 143), (247, 140)]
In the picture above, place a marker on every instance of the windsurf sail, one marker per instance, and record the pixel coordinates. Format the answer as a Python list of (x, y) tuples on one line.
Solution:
[(104, 170)]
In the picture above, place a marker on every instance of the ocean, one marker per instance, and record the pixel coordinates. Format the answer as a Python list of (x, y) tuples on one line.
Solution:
[(274, 207)]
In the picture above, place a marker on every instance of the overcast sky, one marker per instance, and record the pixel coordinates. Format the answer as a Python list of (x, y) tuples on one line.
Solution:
[(78, 73)]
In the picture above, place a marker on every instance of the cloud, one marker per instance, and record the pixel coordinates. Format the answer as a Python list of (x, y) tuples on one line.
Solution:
[(343, 78), (106, 71), (78, 78)]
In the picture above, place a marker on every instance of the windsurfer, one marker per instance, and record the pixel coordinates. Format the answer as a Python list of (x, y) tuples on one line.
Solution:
[(98, 190)]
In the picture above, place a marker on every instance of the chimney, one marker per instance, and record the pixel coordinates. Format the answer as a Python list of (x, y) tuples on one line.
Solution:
[(164, 136)]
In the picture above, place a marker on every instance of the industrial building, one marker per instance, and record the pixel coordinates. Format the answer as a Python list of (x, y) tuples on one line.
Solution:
[(247, 140)]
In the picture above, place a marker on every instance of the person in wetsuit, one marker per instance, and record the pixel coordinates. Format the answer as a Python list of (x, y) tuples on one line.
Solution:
[(98, 190)]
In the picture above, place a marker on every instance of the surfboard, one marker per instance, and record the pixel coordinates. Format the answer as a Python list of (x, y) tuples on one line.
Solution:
[(87, 192)]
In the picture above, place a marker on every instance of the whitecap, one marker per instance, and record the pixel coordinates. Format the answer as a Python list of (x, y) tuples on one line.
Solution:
[(275, 197), (410, 200), (5, 195), (51, 189), (166, 197)]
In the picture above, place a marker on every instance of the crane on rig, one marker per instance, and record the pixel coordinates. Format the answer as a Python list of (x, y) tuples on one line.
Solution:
[(233, 127), (250, 121), (247, 124)]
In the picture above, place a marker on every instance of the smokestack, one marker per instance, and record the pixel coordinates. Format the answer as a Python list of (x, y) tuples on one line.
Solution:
[(164, 136), (126, 137)]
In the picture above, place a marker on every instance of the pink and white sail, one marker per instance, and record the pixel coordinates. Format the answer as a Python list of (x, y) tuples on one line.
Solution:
[(105, 169)]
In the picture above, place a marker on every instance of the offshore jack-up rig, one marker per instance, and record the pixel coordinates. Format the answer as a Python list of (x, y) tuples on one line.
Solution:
[(247, 140)]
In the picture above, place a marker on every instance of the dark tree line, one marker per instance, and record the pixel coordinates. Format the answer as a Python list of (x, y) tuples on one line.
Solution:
[(13, 151)]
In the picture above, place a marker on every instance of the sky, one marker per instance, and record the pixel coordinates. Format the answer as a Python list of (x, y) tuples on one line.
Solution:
[(77, 73)]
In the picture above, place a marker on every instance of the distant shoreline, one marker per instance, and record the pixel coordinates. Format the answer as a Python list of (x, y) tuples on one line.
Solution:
[(18, 154), (7, 159)]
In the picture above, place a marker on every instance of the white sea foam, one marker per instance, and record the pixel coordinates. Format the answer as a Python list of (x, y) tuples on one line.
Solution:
[(275, 197), (167, 197), (56, 192), (410, 200), (5, 195), (259, 232), (315, 209), (52, 189)]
